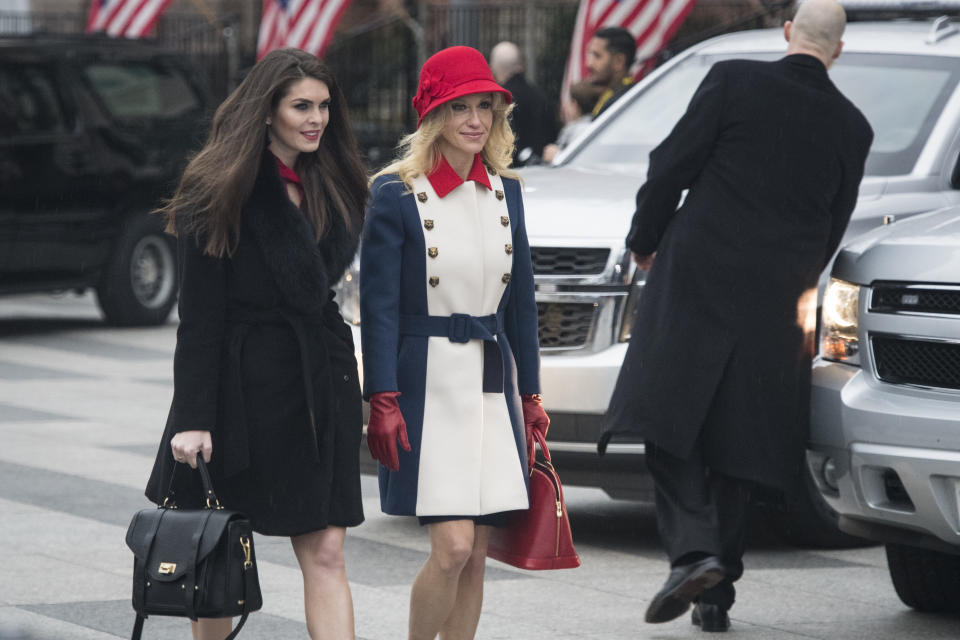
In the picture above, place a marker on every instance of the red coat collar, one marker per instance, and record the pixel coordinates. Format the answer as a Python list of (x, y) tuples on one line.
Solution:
[(444, 179)]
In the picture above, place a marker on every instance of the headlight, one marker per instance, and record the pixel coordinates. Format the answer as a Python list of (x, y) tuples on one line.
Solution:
[(348, 293), (632, 304), (838, 322)]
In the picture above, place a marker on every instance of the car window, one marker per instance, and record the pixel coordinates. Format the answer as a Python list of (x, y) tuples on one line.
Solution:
[(29, 103), (140, 90), (901, 96)]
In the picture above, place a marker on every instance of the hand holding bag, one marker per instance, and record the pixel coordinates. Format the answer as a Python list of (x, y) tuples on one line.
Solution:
[(540, 537), (194, 563)]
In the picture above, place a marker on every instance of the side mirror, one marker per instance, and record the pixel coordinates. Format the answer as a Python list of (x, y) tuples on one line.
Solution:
[(955, 174)]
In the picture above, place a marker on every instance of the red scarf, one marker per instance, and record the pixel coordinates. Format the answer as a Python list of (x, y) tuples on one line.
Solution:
[(289, 177)]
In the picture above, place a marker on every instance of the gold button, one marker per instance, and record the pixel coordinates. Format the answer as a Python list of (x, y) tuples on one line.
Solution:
[(505, 221), (434, 281), (428, 224), (422, 196), (508, 248), (505, 278), (499, 194), (432, 252)]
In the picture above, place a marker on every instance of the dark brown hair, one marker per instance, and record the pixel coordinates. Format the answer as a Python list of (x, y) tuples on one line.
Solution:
[(220, 177)]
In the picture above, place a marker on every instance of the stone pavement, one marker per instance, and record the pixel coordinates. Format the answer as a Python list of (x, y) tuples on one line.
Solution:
[(82, 406)]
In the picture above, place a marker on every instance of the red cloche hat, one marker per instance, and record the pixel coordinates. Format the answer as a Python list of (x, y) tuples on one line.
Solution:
[(451, 73)]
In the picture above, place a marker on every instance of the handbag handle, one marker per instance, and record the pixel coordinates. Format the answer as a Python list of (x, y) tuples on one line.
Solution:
[(208, 494), (542, 441)]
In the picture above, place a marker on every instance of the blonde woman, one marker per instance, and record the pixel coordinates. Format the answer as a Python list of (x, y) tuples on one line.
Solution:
[(451, 360)]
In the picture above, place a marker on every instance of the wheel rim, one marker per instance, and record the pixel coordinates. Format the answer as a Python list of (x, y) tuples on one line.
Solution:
[(152, 271)]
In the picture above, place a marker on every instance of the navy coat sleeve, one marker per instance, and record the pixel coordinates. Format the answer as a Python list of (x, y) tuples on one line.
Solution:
[(676, 162), (380, 270), (197, 359), (521, 322)]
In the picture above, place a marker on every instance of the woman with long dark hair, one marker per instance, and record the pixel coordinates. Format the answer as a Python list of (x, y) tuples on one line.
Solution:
[(267, 218), (451, 359)]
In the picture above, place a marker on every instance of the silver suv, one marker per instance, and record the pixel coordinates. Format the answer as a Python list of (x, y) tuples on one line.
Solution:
[(885, 439), (904, 77)]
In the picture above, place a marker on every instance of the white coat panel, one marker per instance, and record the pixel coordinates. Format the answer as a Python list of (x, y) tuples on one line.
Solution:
[(469, 464)]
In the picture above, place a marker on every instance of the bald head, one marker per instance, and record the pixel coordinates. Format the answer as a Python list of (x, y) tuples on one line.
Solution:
[(506, 61), (817, 30)]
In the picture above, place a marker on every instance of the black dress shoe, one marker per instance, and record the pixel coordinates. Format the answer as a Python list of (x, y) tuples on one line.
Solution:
[(684, 584), (710, 617)]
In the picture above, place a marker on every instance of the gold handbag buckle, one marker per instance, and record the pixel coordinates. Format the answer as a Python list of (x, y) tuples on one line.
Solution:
[(167, 568), (245, 543)]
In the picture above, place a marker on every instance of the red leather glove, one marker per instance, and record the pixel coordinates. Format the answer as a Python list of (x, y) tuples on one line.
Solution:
[(385, 426), (534, 420)]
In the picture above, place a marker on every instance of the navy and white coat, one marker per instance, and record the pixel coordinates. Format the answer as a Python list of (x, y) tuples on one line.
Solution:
[(426, 256)]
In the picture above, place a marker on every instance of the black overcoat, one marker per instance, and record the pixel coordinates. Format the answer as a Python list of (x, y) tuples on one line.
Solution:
[(772, 154), (266, 363), (533, 119)]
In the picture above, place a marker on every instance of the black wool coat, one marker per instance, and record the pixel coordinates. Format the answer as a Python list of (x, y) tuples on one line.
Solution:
[(533, 120), (266, 363), (772, 154)]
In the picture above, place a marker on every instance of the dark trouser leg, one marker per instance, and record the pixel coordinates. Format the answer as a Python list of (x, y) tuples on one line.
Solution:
[(700, 512), (686, 517), (733, 510)]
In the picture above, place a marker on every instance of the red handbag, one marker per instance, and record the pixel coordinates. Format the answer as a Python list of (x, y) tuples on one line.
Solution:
[(540, 537)]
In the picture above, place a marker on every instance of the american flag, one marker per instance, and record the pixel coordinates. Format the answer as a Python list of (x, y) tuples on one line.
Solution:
[(304, 24), (652, 23), (129, 18)]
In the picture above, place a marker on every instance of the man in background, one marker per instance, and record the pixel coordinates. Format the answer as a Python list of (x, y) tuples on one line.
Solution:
[(533, 121), (610, 55), (577, 113)]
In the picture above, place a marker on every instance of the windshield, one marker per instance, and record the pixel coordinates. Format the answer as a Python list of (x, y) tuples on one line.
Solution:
[(901, 96), (140, 90)]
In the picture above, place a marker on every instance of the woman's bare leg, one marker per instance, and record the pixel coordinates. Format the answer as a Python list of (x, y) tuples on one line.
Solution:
[(326, 592), (434, 592), (211, 628), (463, 620)]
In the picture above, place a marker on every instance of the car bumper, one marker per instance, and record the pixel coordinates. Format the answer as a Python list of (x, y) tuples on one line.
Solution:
[(576, 391), (580, 383), (893, 453)]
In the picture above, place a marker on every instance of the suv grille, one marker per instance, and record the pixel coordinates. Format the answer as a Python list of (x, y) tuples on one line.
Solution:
[(930, 364), (565, 325), (568, 261), (894, 298)]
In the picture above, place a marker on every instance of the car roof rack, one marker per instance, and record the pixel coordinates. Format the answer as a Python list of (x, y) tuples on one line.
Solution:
[(941, 29), (902, 6)]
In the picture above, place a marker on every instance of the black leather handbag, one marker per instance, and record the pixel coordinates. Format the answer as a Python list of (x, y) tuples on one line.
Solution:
[(193, 563)]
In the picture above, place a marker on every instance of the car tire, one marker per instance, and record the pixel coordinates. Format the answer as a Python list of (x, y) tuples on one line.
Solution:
[(925, 580), (808, 521), (139, 285)]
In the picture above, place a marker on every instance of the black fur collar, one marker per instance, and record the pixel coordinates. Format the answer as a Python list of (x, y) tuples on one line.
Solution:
[(302, 270)]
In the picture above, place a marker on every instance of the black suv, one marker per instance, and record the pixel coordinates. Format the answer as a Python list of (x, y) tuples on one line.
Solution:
[(93, 132)]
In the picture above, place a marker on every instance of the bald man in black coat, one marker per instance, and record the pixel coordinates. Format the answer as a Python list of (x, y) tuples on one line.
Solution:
[(716, 378)]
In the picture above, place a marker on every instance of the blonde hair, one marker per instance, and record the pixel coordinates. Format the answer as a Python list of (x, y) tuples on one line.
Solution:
[(419, 152)]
